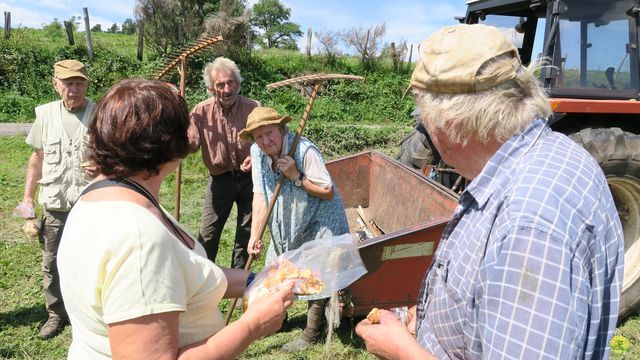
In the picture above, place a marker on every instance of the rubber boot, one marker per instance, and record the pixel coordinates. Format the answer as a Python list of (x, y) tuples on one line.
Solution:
[(313, 331)]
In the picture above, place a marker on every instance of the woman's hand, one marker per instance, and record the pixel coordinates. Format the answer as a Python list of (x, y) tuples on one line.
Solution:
[(265, 315), (255, 247), (287, 165)]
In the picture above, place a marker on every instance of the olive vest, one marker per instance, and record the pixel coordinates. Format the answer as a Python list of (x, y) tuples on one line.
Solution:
[(62, 176)]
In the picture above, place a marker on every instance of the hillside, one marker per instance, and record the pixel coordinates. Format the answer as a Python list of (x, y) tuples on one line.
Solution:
[(27, 57)]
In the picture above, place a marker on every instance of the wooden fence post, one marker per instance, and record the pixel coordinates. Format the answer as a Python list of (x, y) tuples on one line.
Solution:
[(394, 56), (410, 54), (7, 25), (140, 27), (87, 33), (69, 28), (309, 35)]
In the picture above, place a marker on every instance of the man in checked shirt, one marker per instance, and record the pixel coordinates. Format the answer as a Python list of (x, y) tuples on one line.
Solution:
[(531, 264)]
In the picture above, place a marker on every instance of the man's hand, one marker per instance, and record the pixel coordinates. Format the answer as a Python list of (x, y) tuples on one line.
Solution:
[(390, 339), (25, 210), (246, 165)]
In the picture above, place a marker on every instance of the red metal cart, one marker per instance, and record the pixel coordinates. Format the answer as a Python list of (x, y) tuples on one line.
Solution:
[(410, 210)]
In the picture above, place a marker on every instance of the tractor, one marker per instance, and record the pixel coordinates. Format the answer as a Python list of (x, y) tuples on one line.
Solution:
[(591, 73)]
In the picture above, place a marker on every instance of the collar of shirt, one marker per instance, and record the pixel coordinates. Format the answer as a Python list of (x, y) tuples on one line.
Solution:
[(486, 183), (230, 111)]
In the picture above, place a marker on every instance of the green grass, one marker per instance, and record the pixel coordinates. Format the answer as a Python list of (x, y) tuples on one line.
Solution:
[(21, 299)]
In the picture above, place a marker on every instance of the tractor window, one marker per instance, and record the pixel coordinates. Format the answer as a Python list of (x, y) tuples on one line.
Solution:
[(514, 28), (594, 49)]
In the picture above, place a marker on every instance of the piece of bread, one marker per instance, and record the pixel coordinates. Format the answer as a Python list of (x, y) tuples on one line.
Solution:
[(31, 228), (374, 316)]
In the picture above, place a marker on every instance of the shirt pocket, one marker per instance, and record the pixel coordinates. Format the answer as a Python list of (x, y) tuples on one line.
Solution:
[(446, 310), (52, 151), (51, 197)]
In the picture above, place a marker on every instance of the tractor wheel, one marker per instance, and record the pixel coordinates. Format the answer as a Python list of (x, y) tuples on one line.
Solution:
[(618, 153), (415, 150)]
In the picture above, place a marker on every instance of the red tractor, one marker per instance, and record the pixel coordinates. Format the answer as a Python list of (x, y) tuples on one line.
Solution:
[(594, 87)]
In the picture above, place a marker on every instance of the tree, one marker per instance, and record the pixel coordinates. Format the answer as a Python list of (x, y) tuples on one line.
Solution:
[(328, 45), (96, 28), (128, 27), (54, 30), (272, 19), (171, 24), (365, 42), (232, 21), (113, 29), (395, 52)]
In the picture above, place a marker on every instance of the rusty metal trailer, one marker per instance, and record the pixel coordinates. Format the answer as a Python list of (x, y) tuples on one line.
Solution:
[(411, 211)]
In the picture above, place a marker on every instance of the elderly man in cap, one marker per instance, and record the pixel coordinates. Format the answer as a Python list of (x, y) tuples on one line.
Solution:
[(308, 208), (530, 265), (58, 166)]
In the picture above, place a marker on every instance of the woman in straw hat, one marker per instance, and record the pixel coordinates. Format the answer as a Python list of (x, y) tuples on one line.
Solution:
[(308, 207)]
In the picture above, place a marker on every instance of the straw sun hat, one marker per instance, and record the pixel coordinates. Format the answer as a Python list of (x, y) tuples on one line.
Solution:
[(262, 116)]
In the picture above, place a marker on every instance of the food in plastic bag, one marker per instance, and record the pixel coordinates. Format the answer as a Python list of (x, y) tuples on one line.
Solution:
[(318, 268)]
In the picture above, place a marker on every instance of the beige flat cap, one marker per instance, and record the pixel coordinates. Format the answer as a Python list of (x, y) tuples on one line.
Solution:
[(66, 69), (262, 116), (451, 57)]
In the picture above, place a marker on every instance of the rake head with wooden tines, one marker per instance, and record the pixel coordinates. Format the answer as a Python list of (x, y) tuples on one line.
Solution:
[(192, 48)]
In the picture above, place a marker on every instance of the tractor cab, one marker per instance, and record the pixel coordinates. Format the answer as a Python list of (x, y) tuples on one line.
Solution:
[(591, 45)]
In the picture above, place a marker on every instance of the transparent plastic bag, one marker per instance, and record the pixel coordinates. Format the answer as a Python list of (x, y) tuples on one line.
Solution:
[(318, 268)]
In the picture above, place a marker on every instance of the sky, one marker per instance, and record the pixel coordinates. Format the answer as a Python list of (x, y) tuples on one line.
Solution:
[(405, 20)]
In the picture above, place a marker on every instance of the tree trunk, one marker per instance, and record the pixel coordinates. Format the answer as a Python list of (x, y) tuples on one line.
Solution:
[(87, 33), (7, 25), (394, 56), (69, 28), (309, 35), (410, 54), (140, 26), (366, 45)]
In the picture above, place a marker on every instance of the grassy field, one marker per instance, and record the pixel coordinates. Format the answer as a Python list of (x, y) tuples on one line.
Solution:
[(21, 300)]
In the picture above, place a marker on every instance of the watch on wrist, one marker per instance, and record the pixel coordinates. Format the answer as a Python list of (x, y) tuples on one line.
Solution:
[(298, 181)]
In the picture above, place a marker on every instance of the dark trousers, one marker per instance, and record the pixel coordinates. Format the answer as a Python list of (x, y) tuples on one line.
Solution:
[(50, 235), (221, 193)]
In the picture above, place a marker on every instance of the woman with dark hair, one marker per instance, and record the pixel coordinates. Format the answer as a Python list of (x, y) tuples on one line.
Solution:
[(135, 284)]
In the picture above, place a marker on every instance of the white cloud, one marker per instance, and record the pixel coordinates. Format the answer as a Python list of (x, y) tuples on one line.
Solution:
[(25, 17)]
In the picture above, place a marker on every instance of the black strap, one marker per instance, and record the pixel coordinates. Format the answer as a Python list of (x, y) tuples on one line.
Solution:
[(132, 185)]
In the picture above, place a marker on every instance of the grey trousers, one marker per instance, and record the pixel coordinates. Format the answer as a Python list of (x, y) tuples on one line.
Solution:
[(50, 235), (221, 193)]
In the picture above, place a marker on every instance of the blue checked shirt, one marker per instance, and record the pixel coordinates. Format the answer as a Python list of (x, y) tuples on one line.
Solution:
[(530, 266)]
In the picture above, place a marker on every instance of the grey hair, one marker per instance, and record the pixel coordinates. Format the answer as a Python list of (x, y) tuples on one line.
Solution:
[(497, 113), (220, 63)]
